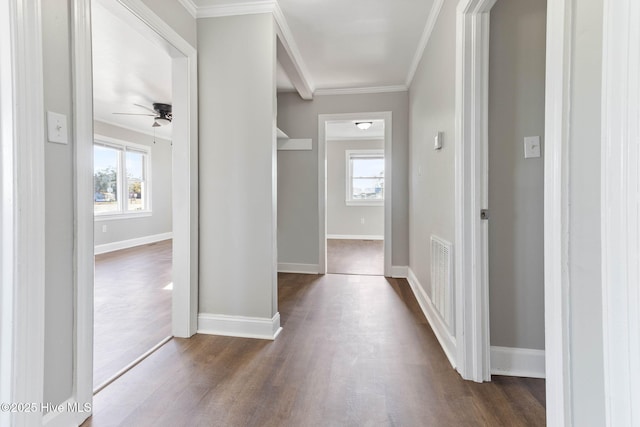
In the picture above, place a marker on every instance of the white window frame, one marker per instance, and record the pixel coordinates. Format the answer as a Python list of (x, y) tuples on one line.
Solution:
[(363, 153), (123, 213)]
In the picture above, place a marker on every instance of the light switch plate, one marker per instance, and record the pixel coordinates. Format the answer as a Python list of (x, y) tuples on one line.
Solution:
[(531, 147), (57, 128), (437, 141)]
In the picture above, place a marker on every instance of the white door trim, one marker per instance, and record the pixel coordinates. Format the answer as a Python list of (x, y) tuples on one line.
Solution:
[(185, 208), (22, 213), (556, 192), (471, 189), (621, 211), (83, 196), (322, 183)]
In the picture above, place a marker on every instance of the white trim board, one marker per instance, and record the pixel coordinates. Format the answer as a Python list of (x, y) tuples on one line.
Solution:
[(620, 211), (22, 213), (63, 414), (471, 189), (424, 40), (399, 271), (290, 267), (130, 243), (360, 90), (446, 340), (294, 144), (239, 326), (556, 230), (517, 362), (355, 236)]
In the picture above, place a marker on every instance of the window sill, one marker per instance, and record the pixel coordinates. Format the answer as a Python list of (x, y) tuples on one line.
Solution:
[(364, 202), (128, 215)]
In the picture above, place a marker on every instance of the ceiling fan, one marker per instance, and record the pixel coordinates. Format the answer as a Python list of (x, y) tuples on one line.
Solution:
[(161, 113)]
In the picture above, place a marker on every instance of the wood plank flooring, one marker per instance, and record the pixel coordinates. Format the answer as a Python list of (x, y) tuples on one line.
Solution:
[(354, 351), (355, 257), (132, 311)]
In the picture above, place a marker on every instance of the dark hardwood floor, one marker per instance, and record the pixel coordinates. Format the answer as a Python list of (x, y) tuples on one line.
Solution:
[(132, 310), (355, 257), (354, 351)]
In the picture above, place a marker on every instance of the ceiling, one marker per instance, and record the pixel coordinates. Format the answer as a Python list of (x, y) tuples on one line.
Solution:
[(347, 129), (348, 44), (128, 69)]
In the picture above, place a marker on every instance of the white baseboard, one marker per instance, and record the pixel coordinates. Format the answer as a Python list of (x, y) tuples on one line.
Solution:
[(399, 271), (446, 340), (355, 237), (288, 267), (125, 244), (67, 413), (239, 326), (517, 362)]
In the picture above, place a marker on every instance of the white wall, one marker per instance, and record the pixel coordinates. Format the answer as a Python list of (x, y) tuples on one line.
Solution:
[(298, 171), (342, 219), (161, 177), (174, 14), (516, 193), (237, 112), (431, 110)]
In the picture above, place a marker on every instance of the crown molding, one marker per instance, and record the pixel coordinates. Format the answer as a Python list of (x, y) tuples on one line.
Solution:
[(190, 6), (235, 9), (361, 90), (426, 35)]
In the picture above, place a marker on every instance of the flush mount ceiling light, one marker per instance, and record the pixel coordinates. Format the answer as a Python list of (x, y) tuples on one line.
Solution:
[(364, 125)]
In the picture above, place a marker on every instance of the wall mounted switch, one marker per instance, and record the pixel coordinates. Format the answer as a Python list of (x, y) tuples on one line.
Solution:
[(531, 147), (57, 128), (437, 141)]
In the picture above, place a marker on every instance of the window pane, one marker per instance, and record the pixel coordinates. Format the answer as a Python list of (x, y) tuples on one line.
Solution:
[(105, 179), (368, 189), (368, 166), (135, 167)]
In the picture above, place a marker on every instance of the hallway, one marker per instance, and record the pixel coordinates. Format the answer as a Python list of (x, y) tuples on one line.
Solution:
[(355, 350)]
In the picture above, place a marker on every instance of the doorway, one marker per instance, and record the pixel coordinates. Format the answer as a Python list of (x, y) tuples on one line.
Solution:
[(355, 197), (184, 180), (132, 194), (354, 175)]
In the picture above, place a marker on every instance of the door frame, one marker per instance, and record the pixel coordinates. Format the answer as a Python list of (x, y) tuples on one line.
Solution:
[(22, 213), (184, 178), (323, 119), (471, 190), (620, 206)]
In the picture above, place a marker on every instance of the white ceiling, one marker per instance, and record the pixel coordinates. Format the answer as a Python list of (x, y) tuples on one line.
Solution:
[(127, 69), (347, 129), (353, 43)]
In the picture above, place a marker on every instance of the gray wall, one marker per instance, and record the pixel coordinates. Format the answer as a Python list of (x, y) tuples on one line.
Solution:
[(237, 116), (59, 208), (160, 220), (586, 345), (516, 194), (343, 219), (298, 171), (431, 110)]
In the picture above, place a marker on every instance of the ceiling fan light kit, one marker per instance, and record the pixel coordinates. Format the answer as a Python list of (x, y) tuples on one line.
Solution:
[(162, 114)]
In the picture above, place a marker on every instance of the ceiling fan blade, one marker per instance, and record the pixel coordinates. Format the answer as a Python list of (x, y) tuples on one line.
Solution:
[(136, 114), (146, 108)]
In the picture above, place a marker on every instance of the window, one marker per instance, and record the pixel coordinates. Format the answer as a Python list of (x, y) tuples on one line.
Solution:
[(120, 178), (365, 177)]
